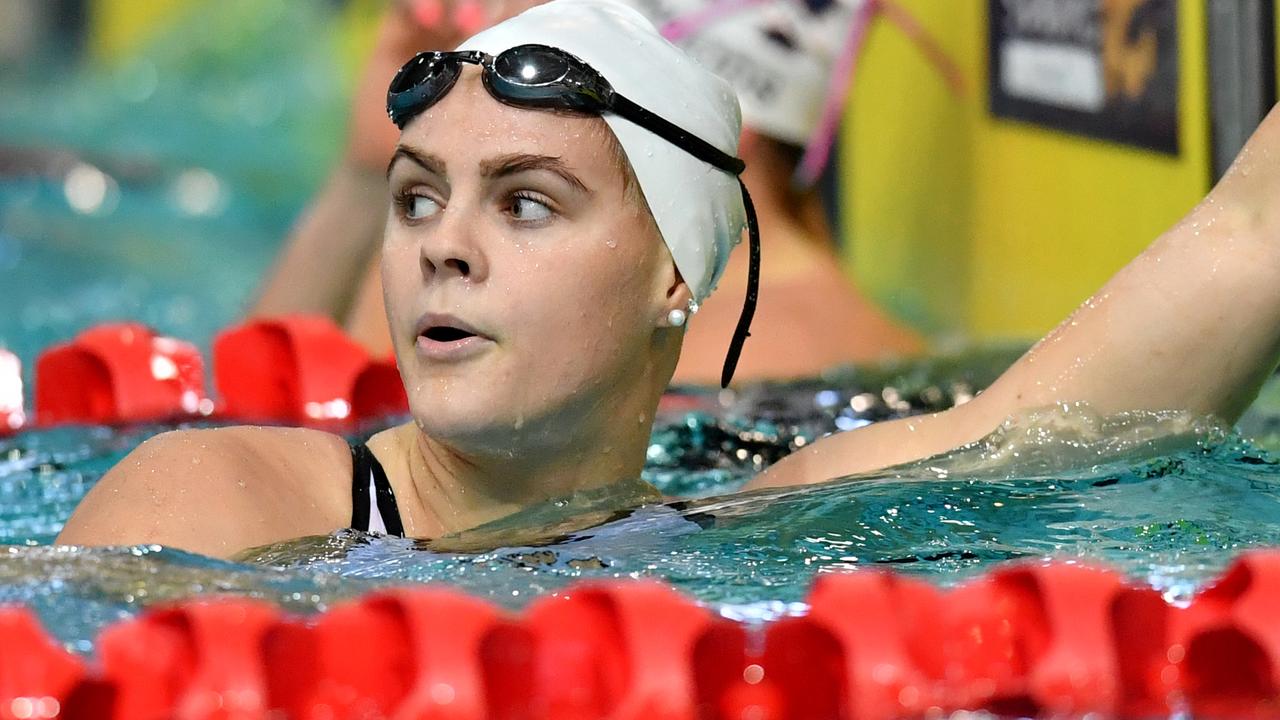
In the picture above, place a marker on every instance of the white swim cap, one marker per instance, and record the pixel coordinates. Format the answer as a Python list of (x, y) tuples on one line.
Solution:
[(777, 54), (698, 208)]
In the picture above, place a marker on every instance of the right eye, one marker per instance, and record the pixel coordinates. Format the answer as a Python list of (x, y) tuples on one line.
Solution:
[(417, 207)]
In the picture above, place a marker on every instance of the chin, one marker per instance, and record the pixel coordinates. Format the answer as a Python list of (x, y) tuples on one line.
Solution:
[(467, 419), (489, 422)]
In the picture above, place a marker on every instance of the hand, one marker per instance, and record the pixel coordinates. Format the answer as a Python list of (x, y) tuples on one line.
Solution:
[(407, 28)]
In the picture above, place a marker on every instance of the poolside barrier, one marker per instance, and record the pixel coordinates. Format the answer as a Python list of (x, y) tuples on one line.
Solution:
[(295, 369), (1057, 639)]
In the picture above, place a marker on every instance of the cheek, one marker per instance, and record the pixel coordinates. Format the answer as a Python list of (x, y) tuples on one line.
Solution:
[(609, 300), (595, 301), (399, 273), (620, 288)]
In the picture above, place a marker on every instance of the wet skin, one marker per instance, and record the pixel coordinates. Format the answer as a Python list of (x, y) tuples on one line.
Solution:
[(570, 294)]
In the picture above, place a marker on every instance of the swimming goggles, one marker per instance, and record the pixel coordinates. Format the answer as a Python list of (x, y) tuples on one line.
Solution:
[(548, 78)]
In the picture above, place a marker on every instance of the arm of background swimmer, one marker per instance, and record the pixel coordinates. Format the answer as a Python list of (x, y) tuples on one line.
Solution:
[(214, 492), (1193, 323), (329, 251), (326, 255), (366, 321), (324, 259)]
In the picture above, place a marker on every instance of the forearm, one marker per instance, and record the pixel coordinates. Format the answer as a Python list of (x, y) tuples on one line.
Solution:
[(1192, 324), (324, 259)]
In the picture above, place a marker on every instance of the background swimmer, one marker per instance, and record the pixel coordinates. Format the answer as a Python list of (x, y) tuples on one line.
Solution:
[(570, 302), (779, 57)]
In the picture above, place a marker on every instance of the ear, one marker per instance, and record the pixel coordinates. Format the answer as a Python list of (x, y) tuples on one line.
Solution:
[(678, 295)]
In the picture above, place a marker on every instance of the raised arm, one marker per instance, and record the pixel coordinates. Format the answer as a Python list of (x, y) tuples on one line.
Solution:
[(1193, 323), (322, 263), (324, 258), (325, 264)]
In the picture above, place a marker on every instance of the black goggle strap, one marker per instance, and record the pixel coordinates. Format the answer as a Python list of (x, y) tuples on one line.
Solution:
[(674, 134), (743, 330), (713, 156)]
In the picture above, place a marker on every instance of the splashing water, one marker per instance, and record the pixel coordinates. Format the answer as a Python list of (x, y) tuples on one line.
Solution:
[(1166, 498)]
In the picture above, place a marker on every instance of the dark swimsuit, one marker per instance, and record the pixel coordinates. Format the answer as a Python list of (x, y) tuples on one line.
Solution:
[(374, 509), (373, 504)]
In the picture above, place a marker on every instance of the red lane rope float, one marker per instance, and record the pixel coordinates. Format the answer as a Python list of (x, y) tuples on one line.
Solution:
[(630, 651), (867, 663), (1055, 640), (36, 677), (119, 373), (200, 659), (300, 369), (1229, 642), (297, 369), (294, 369), (378, 391)]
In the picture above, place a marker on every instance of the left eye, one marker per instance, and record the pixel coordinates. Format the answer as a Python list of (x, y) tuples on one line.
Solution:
[(523, 208)]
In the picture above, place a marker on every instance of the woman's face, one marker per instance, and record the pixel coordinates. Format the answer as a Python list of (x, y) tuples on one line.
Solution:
[(524, 284)]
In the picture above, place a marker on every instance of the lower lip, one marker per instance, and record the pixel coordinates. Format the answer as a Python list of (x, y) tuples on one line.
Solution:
[(452, 350)]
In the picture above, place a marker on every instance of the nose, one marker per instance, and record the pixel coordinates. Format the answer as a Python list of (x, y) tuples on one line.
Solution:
[(453, 250)]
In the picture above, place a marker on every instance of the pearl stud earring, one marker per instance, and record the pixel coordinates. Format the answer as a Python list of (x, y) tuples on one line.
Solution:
[(676, 317)]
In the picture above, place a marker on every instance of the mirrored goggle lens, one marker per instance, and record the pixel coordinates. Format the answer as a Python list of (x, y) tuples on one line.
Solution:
[(418, 86), (532, 65), (424, 71), (410, 75)]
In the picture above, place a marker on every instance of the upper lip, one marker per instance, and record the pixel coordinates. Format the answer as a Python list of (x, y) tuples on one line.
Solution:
[(432, 320)]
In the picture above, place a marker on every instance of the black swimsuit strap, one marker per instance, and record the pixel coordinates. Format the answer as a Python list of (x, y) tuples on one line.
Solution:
[(363, 462)]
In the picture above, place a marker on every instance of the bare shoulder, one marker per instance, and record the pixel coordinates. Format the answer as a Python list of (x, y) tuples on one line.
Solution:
[(218, 491)]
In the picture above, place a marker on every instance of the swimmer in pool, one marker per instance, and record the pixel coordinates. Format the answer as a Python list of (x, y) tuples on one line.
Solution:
[(784, 53), (539, 265)]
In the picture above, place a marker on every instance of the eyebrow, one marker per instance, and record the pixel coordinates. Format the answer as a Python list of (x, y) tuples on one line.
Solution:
[(428, 162), (515, 163), (499, 167)]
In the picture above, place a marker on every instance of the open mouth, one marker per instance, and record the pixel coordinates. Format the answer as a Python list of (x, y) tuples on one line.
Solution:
[(445, 338), (445, 333)]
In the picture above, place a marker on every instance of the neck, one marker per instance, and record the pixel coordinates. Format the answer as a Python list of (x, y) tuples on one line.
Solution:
[(455, 489)]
